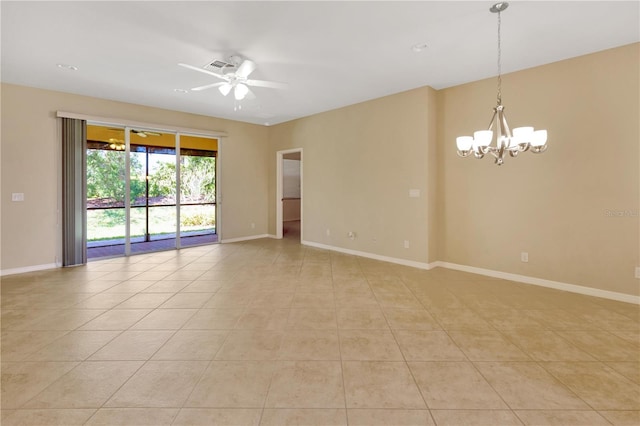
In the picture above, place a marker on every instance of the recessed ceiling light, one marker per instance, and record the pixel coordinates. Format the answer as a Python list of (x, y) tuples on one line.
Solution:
[(419, 47), (180, 90), (266, 123), (67, 67)]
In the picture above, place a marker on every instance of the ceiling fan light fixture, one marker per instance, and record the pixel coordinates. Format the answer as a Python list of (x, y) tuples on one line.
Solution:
[(240, 91), (116, 144), (225, 89)]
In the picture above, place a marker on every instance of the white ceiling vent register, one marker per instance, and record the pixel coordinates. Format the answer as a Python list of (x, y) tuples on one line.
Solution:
[(217, 65)]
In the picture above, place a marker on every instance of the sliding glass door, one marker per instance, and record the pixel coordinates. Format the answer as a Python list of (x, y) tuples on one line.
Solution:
[(197, 190), (106, 177), (147, 220), (153, 191)]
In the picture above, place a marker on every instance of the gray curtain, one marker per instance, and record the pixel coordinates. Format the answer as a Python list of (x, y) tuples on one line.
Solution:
[(74, 194)]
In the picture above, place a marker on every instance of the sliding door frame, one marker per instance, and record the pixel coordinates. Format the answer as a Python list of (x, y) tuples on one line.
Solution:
[(127, 125), (127, 191)]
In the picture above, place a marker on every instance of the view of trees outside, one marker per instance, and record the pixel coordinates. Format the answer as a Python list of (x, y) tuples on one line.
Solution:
[(106, 188)]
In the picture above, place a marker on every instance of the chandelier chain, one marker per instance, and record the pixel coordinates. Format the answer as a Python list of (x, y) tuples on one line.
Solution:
[(499, 62)]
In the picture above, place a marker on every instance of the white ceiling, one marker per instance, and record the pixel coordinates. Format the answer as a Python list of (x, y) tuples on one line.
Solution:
[(331, 54)]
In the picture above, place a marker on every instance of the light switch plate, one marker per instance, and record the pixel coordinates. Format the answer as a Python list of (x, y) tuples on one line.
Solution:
[(17, 196)]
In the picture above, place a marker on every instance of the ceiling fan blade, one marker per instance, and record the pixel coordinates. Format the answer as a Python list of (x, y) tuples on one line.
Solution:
[(246, 68), (269, 84), (225, 88), (144, 133), (202, 70), (208, 86), (250, 95)]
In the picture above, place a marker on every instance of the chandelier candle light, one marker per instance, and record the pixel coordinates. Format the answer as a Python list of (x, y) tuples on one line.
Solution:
[(520, 140)]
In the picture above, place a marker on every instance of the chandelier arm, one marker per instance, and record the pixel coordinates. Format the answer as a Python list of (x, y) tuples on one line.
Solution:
[(499, 131), (493, 118), (505, 125), (538, 149)]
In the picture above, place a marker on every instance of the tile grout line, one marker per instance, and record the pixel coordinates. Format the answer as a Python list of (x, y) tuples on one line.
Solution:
[(344, 385), (468, 360)]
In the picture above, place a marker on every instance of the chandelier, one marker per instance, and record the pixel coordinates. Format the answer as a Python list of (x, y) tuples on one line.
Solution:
[(505, 141)]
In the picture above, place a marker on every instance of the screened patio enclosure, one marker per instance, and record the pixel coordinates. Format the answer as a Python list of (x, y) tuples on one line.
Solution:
[(157, 192)]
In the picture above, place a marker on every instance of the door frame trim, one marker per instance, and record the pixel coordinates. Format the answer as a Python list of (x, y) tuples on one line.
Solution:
[(279, 190)]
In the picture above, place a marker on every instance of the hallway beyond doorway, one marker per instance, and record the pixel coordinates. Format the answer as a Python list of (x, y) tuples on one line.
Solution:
[(291, 230)]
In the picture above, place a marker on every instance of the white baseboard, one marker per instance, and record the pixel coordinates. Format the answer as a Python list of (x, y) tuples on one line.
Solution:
[(420, 265), (250, 237), (25, 269), (589, 291)]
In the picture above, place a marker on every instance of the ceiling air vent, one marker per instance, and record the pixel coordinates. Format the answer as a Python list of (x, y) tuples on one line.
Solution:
[(217, 65)]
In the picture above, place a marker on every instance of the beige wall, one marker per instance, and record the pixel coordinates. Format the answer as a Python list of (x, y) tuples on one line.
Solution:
[(554, 205), (31, 158), (359, 163)]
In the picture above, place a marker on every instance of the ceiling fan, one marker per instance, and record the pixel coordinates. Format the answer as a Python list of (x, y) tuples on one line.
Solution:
[(235, 74), (140, 133), (116, 144), (144, 133)]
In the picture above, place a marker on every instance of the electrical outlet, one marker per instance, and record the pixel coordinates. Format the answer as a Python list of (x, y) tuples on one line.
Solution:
[(637, 271), (328, 232), (406, 243), (524, 257), (253, 225), (17, 196), (351, 235)]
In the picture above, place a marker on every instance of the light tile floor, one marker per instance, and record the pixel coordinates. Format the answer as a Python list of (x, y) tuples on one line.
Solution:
[(270, 332)]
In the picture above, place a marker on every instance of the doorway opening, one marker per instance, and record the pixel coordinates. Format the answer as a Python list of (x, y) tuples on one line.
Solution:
[(289, 195), (148, 195)]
